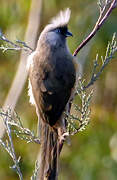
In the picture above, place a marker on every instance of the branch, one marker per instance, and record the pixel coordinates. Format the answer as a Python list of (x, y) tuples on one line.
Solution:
[(105, 10), (104, 14), (110, 51), (35, 172), (11, 120), (15, 122), (80, 121), (13, 46), (9, 147), (21, 74)]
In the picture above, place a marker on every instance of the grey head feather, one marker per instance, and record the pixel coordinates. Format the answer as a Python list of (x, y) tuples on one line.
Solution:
[(48, 34)]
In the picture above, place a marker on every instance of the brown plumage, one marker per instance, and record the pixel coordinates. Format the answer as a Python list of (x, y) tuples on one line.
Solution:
[(52, 76)]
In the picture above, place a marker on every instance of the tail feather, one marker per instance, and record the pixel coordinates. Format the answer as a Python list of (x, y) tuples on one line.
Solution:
[(49, 153)]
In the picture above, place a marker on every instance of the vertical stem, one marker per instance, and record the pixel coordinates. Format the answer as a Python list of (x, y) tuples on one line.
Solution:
[(21, 74)]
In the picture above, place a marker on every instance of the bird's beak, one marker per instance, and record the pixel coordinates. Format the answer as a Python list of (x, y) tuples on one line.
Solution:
[(68, 34)]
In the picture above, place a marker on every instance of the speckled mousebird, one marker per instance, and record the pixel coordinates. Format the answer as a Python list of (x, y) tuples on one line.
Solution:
[(52, 77)]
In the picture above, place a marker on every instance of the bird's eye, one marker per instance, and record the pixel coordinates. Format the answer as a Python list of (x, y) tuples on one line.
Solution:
[(58, 30), (62, 30)]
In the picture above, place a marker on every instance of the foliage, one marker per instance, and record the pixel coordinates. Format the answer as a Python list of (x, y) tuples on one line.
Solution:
[(11, 119), (110, 51), (8, 144), (92, 146)]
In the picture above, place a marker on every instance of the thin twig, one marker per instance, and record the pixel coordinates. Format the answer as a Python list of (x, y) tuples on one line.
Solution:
[(110, 51), (9, 147), (30, 38), (22, 133), (14, 46), (102, 18), (80, 122), (24, 44), (35, 172), (97, 26)]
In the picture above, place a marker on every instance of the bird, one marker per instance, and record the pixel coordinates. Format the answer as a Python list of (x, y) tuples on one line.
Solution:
[(52, 78)]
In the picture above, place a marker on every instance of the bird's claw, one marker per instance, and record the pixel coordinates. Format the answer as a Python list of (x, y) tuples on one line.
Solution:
[(63, 136)]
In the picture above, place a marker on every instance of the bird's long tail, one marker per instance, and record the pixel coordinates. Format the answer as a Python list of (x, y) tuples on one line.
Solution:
[(48, 169)]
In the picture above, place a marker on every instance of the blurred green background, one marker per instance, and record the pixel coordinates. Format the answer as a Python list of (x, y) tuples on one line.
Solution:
[(93, 152)]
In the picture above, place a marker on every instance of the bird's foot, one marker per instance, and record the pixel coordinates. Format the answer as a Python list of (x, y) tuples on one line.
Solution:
[(63, 136)]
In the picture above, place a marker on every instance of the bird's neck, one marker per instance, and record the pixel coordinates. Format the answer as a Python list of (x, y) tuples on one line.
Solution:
[(51, 42)]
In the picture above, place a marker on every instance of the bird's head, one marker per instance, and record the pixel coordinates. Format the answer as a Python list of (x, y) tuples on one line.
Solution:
[(57, 31)]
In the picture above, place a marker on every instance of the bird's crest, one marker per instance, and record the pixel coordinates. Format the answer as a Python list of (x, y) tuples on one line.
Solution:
[(62, 18)]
